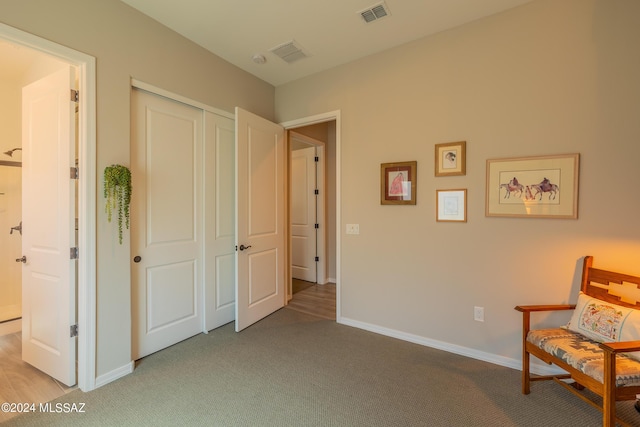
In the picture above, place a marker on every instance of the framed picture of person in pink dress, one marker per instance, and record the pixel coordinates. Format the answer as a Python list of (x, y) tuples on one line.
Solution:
[(398, 183)]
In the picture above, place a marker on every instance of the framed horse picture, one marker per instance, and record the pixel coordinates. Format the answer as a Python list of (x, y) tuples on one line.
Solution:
[(533, 187), (398, 183)]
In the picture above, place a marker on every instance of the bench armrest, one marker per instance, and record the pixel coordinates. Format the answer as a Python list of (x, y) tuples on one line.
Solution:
[(546, 307), (526, 311), (620, 347)]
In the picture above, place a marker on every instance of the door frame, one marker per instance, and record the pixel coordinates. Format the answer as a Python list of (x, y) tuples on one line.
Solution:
[(86, 301), (308, 121)]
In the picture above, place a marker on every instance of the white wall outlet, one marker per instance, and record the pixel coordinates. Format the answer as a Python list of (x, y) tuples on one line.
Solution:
[(353, 228), (478, 314)]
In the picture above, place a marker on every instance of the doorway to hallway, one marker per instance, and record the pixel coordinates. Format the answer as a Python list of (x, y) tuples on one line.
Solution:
[(320, 134)]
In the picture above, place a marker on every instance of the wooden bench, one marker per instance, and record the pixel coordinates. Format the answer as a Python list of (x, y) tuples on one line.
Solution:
[(591, 348)]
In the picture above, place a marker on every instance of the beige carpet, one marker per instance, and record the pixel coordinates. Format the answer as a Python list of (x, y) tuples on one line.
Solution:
[(292, 369)]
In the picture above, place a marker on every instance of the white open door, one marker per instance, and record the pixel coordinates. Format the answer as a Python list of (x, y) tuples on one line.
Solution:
[(260, 287), (303, 214), (48, 233)]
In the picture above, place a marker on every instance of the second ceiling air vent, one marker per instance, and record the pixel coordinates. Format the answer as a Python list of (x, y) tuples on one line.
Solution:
[(375, 12), (289, 51)]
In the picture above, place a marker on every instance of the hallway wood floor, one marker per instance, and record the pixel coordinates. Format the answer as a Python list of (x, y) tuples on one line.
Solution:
[(311, 298), (21, 382)]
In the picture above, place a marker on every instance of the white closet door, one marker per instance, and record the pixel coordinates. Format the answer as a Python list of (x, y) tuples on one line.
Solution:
[(166, 222), (220, 220)]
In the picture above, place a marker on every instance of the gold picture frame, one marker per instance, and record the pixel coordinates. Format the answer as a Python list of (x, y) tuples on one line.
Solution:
[(398, 183), (451, 205), (533, 187), (451, 159)]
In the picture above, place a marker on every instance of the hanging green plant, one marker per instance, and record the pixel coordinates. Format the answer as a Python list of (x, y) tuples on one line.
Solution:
[(117, 191)]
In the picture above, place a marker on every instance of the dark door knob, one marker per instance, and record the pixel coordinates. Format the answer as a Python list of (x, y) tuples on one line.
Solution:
[(22, 260), (137, 258), (243, 247)]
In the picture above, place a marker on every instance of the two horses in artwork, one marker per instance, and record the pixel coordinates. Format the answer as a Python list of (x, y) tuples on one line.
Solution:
[(531, 191)]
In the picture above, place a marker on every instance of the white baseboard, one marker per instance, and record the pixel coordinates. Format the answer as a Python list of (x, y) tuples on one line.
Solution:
[(115, 374), (536, 368), (11, 327)]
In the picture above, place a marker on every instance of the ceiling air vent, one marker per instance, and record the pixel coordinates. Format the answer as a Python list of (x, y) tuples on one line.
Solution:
[(374, 13), (289, 51)]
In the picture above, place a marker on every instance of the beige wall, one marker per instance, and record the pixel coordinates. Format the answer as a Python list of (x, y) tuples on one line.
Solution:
[(127, 44), (550, 77)]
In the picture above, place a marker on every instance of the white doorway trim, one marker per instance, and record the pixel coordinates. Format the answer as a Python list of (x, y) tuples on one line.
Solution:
[(86, 301), (311, 120), (176, 97)]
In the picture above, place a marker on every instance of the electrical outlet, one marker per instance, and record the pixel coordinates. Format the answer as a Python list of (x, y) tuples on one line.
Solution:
[(478, 314)]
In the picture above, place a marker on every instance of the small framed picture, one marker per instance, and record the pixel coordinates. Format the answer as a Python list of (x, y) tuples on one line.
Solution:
[(451, 205), (398, 183), (451, 159)]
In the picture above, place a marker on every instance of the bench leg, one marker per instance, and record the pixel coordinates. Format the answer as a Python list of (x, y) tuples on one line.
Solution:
[(609, 392), (526, 377), (526, 381)]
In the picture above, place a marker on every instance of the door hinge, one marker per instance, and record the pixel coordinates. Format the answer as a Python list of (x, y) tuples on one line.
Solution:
[(316, 159), (75, 95), (317, 259), (316, 191), (74, 173), (316, 225), (73, 331), (74, 253)]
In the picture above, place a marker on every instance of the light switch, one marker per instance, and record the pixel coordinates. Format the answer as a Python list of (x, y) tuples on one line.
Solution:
[(353, 228)]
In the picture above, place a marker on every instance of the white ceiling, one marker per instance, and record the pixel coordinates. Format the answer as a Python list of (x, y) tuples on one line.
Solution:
[(331, 32)]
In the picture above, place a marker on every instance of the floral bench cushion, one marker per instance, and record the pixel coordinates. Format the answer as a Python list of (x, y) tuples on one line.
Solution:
[(584, 355)]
